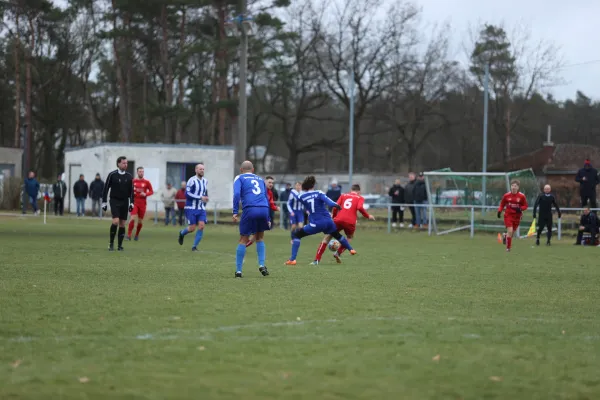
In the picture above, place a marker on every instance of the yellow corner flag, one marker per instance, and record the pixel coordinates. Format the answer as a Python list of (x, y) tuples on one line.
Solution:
[(531, 230)]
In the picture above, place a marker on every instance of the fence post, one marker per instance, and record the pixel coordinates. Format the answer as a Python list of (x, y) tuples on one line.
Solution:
[(472, 222), (156, 213), (559, 233), (428, 218), (215, 214), (280, 205), (389, 218)]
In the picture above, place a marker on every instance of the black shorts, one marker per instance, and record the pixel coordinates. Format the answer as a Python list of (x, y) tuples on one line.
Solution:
[(119, 208)]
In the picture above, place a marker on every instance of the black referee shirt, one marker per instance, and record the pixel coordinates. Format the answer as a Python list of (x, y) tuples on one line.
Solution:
[(120, 184), (545, 202)]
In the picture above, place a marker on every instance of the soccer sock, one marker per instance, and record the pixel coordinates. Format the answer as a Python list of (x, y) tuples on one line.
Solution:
[(121, 235), (345, 243), (184, 231), (508, 242), (239, 257), (138, 229), (113, 232), (549, 234), (250, 243), (295, 248), (539, 232), (341, 250), (130, 228), (198, 237), (320, 251), (260, 251)]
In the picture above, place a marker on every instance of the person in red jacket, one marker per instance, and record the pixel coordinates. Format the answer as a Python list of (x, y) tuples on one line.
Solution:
[(180, 201), (270, 182), (142, 189), (514, 202)]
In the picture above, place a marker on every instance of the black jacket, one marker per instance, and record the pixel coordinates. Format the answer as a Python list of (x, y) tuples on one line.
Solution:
[(420, 192), (80, 189), (409, 189), (397, 194), (96, 188), (60, 190), (587, 186), (545, 202), (589, 221), (334, 194), (120, 186)]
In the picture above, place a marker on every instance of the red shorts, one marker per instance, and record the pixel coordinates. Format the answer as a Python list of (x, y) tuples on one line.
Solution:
[(512, 222), (346, 227), (139, 210)]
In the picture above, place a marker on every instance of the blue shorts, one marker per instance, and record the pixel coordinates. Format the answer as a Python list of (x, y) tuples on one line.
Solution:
[(322, 226), (195, 216), (255, 220), (298, 218)]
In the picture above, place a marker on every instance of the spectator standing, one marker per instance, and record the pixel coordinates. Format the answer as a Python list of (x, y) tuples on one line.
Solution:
[(588, 180), (409, 198), (32, 188), (168, 198), (335, 191), (59, 189), (396, 194), (271, 193), (80, 191), (284, 196), (180, 201), (96, 188), (420, 199)]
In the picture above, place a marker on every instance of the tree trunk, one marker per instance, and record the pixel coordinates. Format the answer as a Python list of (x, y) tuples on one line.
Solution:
[(120, 80), (181, 87), (128, 88), (17, 59), (168, 75), (222, 68), (28, 90)]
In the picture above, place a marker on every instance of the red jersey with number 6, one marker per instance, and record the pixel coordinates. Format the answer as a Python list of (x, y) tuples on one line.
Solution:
[(351, 203), (513, 203), (141, 186)]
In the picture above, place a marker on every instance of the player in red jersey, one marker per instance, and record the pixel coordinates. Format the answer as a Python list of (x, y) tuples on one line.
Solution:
[(270, 183), (345, 220), (514, 202), (142, 188)]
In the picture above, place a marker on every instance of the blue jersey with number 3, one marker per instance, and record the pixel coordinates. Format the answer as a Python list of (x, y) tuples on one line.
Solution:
[(251, 190), (317, 203)]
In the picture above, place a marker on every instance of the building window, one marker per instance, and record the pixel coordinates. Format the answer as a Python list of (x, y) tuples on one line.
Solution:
[(179, 172)]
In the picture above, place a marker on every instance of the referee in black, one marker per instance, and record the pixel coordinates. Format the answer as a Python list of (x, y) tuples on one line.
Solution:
[(120, 184), (545, 202)]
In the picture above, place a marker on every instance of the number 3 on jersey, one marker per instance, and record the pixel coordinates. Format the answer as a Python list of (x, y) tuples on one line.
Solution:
[(256, 189), (348, 204)]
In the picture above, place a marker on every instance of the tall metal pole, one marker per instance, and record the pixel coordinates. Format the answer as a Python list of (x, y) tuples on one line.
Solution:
[(25, 167), (351, 129), (243, 101), (486, 84)]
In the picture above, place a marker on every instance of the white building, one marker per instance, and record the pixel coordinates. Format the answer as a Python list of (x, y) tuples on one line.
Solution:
[(162, 163)]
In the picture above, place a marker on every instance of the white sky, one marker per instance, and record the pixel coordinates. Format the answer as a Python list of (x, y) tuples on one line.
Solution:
[(570, 24)]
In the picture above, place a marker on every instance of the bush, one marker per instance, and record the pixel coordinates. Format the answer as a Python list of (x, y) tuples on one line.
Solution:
[(11, 194)]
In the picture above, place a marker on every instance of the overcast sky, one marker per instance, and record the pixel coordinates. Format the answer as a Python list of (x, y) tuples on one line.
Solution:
[(570, 24)]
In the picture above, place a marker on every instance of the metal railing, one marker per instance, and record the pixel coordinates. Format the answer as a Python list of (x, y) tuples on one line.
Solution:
[(440, 219)]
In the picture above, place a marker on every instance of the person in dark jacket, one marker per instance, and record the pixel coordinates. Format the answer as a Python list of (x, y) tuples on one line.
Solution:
[(334, 192), (60, 191), (409, 198), (96, 188), (80, 191), (284, 196), (420, 199), (32, 189), (588, 180), (587, 223), (396, 194)]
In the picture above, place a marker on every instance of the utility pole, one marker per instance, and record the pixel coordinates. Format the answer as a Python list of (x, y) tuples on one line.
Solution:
[(486, 94)]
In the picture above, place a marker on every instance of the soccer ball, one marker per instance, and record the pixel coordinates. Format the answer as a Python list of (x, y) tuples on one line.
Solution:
[(333, 245)]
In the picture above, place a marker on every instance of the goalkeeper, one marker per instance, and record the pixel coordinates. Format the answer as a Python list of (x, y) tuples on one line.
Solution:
[(545, 202)]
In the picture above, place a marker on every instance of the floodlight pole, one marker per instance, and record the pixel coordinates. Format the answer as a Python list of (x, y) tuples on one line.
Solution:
[(486, 84), (351, 128)]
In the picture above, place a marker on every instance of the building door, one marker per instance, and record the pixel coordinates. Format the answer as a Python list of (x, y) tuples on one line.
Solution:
[(74, 171)]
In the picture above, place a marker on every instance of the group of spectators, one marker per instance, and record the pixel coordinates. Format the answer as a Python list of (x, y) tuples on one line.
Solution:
[(413, 195)]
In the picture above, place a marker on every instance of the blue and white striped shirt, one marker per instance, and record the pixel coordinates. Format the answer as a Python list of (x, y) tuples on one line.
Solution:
[(194, 190), (294, 204)]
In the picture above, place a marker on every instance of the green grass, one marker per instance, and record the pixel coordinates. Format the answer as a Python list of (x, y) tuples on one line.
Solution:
[(158, 322)]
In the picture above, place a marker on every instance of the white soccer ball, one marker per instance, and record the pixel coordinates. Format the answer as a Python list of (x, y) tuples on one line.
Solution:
[(333, 245)]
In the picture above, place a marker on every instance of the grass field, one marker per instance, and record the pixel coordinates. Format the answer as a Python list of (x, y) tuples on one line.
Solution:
[(409, 317)]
